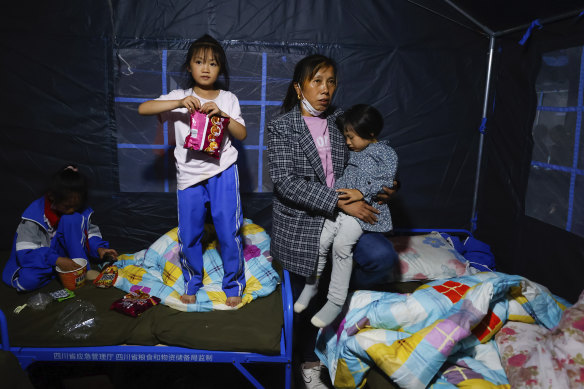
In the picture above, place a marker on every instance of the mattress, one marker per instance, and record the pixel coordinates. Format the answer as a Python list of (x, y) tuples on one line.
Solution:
[(256, 327)]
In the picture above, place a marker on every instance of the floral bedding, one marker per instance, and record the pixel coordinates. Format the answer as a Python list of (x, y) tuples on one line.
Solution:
[(428, 257), (535, 357)]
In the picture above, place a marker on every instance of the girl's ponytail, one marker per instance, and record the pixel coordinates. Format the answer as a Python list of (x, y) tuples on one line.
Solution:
[(66, 181)]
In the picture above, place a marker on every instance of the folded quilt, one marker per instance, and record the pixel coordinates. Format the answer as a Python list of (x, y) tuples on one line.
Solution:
[(438, 336), (157, 271)]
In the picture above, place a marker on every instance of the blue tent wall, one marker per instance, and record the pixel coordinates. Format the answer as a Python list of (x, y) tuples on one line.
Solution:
[(60, 72), (56, 103), (523, 245), (427, 82)]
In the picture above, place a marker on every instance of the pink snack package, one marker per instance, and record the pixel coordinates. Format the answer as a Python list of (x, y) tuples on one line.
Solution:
[(206, 133)]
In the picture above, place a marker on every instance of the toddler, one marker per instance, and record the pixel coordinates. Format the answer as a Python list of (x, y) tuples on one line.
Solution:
[(371, 165)]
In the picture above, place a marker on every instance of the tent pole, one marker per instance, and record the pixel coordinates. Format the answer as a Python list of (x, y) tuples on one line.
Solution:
[(481, 26), (427, 8), (482, 132), (544, 21)]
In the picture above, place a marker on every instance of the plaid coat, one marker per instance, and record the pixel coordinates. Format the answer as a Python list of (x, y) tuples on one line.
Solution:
[(301, 200)]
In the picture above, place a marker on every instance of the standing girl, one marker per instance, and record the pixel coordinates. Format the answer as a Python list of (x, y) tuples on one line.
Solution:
[(201, 178)]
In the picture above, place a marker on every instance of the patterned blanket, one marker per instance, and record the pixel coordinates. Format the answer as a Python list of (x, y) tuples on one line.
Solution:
[(157, 271), (439, 336), (535, 357)]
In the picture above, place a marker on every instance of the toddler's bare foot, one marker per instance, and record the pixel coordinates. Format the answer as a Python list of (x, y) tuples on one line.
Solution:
[(233, 301), (188, 298)]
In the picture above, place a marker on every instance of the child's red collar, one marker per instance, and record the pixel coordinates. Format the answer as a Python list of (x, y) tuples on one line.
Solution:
[(51, 216)]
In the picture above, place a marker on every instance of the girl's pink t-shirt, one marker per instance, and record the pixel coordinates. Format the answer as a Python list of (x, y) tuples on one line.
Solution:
[(318, 128)]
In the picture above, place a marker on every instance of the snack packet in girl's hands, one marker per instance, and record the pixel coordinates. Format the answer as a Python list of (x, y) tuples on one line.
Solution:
[(206, 133)]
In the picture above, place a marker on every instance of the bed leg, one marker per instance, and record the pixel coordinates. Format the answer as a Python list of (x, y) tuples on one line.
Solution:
[(25, 361), (288, 368), (247, 375), (4, 332)]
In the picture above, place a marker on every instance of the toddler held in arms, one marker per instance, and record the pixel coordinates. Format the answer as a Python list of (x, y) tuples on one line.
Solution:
[(372, 165)]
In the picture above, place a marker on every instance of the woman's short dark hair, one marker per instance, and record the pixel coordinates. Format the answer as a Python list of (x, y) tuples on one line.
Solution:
[(364, 119), (66, 182), (304, 70), (204, 43)]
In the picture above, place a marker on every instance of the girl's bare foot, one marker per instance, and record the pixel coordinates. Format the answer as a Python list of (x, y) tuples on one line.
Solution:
[(233, 301), (188, 298)]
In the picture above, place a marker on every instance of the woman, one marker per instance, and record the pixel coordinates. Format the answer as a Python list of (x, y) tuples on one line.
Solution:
[(307, 153)]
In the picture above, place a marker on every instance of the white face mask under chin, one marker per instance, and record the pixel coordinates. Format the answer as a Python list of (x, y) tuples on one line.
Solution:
[(309, 108)]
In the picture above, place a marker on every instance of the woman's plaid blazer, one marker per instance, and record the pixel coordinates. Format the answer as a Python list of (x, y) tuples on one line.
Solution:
[(301, 199)]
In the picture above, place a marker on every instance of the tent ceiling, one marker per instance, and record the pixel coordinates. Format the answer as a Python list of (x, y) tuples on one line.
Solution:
[(502, 15)]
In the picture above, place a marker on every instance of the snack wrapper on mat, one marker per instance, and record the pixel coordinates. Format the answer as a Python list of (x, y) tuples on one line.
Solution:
[(134, 303), (107, 278), (206, 133)]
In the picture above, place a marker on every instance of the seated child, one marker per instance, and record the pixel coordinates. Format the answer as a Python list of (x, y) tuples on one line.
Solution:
[(372, 164), (54, 229)]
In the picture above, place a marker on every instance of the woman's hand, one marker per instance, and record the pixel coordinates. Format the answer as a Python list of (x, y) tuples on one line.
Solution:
[(101, 251), (359, 209), (387, 193), (350, 195), (191, 103), (67, 264)]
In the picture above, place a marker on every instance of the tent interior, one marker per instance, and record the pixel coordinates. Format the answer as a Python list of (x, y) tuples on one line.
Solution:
[(474, 94)]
